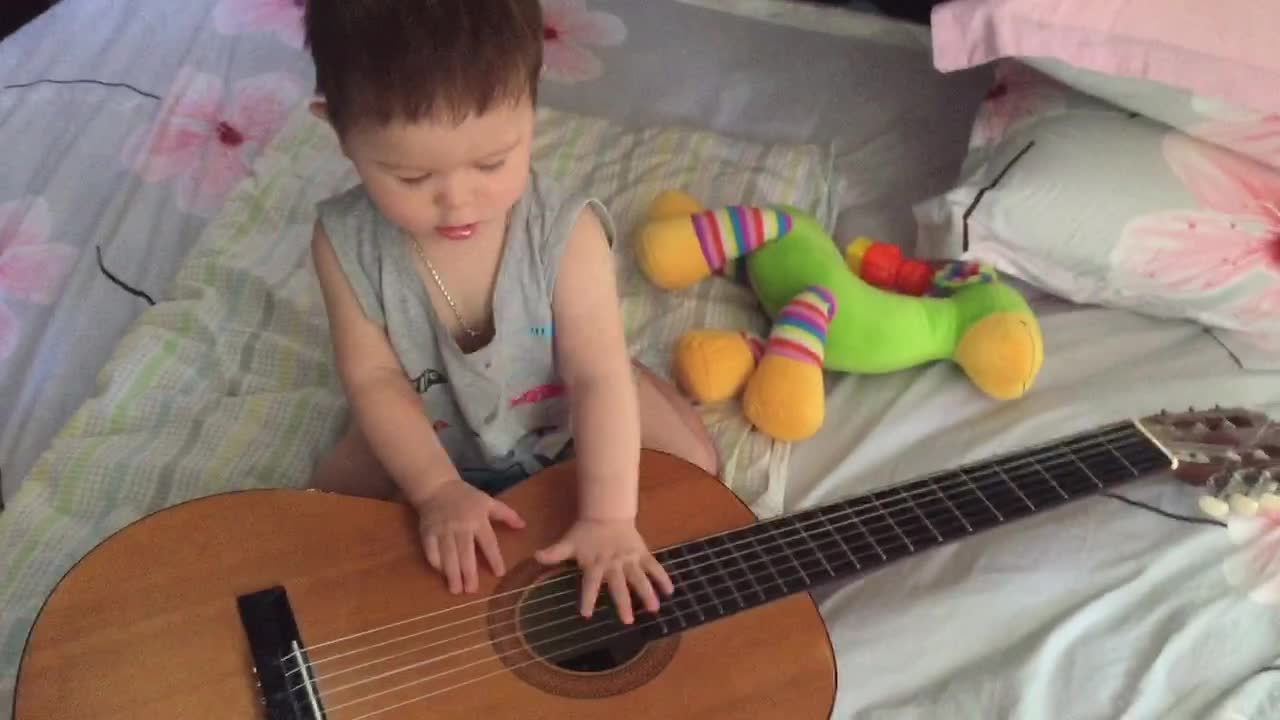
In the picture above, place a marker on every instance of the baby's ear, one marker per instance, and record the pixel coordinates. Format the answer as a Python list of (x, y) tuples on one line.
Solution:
[(320, 109)]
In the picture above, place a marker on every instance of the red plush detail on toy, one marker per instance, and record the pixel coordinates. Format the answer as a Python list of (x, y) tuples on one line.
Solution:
[(880, 265), (914, 278)]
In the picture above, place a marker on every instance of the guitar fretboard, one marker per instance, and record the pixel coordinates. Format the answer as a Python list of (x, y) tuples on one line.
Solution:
[(728, 573)]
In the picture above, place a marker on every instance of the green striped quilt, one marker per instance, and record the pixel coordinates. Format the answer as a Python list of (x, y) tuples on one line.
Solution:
[(230, 383)]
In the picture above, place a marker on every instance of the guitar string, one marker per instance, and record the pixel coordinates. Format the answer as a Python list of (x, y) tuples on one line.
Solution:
[(782, 580), (1102, 434), (674, 572), (883, 511), (927, 529)]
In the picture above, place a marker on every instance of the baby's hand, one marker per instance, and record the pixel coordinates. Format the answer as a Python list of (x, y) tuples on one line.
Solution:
[(452, 521), (612, 550)]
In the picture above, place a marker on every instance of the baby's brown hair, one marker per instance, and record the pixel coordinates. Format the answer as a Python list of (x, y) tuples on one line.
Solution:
[(381, 61)]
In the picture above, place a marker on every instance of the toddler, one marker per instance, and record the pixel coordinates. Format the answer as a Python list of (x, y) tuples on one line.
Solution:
[(471, 301)]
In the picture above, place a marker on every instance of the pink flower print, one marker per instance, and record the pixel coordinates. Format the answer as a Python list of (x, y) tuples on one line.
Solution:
[(205, 139), (281, 17), (1018, 94), (1236, 232), (568, 27), (1255, 136), (32, 269), (1255, 567)]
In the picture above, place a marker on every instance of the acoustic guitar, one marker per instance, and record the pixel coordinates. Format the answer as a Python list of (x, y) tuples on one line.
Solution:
[(300, 605)]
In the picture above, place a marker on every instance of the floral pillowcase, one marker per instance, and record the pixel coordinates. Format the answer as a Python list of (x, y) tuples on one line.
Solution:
[(1099, 204)]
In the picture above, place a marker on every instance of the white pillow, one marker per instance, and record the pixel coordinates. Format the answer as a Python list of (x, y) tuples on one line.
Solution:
[(1100, 205)]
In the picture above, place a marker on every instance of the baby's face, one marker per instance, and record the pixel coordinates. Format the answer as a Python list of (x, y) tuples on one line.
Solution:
[(447, 182)]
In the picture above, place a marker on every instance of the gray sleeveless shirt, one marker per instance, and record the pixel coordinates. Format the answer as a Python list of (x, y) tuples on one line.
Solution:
[(501, 412)]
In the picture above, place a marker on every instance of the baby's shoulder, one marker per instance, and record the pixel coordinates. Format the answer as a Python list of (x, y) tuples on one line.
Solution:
[(553, 209), (351, 202)]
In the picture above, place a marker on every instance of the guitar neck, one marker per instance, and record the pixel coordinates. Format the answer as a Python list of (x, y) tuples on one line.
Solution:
[(725, 574)]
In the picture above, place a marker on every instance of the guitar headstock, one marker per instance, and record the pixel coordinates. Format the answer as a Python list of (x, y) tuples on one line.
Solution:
[(1234, 453)]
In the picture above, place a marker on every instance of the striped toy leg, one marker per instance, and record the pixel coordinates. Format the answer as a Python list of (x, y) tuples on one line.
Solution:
[(785, 397), (677, 252)]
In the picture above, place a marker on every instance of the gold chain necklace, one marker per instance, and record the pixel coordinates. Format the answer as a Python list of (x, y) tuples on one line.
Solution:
[(448, 298)]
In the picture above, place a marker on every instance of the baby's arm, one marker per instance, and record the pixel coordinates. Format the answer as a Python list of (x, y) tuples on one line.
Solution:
[(382, 401), (596, 367), (453, 516)]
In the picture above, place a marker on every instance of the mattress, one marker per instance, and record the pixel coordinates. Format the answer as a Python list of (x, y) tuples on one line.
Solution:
[(1101, 609)]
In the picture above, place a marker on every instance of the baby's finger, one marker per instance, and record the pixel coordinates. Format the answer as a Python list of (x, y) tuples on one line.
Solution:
[(591, 578), (659, 574), (449, 553), (432, 546), (640, 583), (492, 553), (621, 594), (466, 543)]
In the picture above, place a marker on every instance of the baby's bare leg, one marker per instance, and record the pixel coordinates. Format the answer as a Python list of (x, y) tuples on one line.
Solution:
[(669, 423), (351, 468)]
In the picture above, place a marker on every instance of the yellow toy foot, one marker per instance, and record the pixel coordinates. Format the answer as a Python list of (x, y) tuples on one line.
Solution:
[(1002, 354), (669, 253), (714, 365), (673, 204), (785, 398)]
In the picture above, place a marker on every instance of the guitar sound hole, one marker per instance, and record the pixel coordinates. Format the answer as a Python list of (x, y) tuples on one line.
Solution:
[(555, 632)]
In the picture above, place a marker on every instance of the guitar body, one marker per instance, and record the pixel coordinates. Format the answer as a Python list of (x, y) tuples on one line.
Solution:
[(147, 625)]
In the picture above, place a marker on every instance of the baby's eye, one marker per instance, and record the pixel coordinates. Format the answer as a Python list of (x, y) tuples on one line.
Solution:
[(415, 180), (493, 166)]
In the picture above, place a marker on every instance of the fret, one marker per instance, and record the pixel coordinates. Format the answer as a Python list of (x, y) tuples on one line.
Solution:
[(690, 574), (831, 528), (853, 515), (1049, 477), (816, 551), (923, 517), (979, 493), (766, 559), (1126, 462), (889, 518), (786, 550), (1000, 493), (955, 511), (1013, 485), (738, 575)]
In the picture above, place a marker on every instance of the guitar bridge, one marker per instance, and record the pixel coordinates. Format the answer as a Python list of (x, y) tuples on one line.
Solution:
[(280, 661)]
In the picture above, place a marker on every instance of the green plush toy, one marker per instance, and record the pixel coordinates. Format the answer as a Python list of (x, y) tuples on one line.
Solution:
[(824, 316)]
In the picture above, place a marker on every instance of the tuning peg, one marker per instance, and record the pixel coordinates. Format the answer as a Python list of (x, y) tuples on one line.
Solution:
[(1214, 507), (1243, 506)]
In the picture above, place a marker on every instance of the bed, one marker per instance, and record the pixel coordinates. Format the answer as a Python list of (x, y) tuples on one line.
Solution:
[(148, 377)]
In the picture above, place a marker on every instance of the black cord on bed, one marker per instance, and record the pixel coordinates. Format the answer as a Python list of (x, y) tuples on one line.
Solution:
[(121, 283), (978, 198), (51, 81), (1165, 513)]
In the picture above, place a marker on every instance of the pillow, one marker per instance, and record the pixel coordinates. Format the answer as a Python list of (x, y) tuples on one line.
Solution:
[(1248, 132), (1224, 49), (1099, 205)]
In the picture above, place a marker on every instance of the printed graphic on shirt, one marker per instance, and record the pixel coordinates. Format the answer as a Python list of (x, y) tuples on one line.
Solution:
[(546, 331), (427, 380), (538, 394)]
